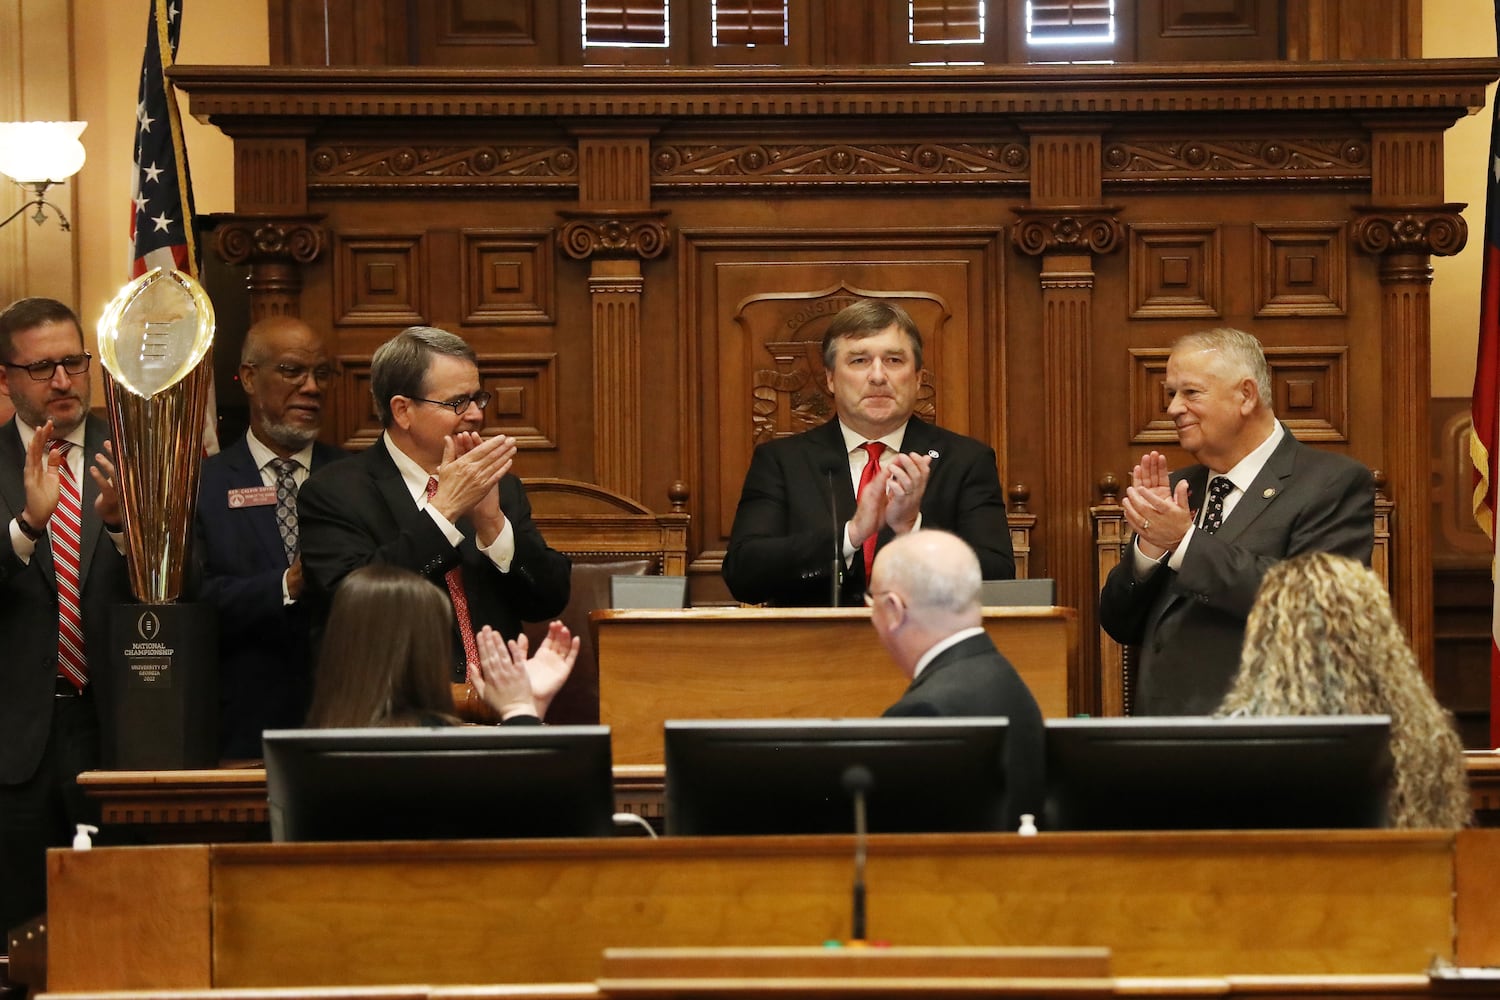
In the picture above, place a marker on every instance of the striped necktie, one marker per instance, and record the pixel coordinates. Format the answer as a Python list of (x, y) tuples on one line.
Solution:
[(67, 536)]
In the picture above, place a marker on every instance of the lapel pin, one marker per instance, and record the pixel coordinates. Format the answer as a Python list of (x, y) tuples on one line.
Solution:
[(1268, 493), (932, 453)]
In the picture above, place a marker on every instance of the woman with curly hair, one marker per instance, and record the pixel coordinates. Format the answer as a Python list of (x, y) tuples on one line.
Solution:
[(1321, 640)]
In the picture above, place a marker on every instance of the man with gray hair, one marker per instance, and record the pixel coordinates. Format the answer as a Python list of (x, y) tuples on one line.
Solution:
[(436, 496), (1205, 535), (924, 604)]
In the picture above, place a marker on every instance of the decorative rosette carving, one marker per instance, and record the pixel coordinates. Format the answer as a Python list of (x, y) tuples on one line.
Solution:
[(1432, 229), (1092, 229), (290, 239), (615, 234)]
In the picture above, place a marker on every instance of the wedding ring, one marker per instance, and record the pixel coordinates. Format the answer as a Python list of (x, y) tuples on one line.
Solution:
[(1146, 524)]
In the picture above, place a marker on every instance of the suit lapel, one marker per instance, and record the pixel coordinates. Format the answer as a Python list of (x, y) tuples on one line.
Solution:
[(1269, 484), (244, 474), (12, 466), (829, 455), (388, 481)]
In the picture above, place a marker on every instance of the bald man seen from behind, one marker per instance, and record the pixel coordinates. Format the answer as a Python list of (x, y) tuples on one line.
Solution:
[(247, 534), (924, 603)]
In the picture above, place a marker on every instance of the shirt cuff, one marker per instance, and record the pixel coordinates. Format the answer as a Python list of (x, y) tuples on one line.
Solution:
[(502, 551), (1174, 563), (22, 546), (451, 533)]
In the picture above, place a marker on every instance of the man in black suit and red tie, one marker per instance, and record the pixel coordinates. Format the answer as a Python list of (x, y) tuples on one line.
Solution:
[(62, 567), (435, 496), (1206, 534), (822, 503), (248, 534)]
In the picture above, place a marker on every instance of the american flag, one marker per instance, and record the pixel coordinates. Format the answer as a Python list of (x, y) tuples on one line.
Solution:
[(1484, 445), (161, 190)]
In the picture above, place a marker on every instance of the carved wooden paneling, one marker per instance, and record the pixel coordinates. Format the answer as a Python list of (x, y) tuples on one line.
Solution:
[(1354, 29), (1300, 269), (1201, 158), (379, 279), (360, 168), (525, 404), (269, 176), (788, 162), (614, 169), (1175, 271), (1309, 390), (1209, 29), (507, 277), (1066, 169), (526, 398), (1457, 537)]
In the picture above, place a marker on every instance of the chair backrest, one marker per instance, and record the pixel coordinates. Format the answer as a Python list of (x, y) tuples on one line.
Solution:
[(1018, 593), (606, 535)]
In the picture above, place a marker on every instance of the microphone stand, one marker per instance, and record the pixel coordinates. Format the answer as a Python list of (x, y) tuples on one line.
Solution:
[(857, 781)]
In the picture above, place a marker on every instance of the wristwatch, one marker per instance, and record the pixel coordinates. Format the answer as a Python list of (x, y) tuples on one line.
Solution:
[(27, 529)]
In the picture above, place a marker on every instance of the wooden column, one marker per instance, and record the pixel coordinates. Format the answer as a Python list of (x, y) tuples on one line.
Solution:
[(276, 248), (615, 229), (1065, 226), (1405, 238), (1406, 223)]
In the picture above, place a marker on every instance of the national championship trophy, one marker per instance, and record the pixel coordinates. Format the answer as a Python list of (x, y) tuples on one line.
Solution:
[(155, 340)]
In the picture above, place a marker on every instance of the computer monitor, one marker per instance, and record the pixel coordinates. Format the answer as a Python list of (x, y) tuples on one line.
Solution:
[(457, 782), (787, 776), (1308, 772)]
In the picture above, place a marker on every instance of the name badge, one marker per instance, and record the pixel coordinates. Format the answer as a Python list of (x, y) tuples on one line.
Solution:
[(252, 496)]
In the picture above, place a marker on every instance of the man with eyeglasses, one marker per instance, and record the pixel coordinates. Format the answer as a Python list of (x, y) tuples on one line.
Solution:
[(248, 534), (435, 496), (925, 606), (62, 567)]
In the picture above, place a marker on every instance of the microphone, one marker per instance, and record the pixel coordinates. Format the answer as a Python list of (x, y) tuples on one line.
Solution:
[(838, 538), (857, 781)]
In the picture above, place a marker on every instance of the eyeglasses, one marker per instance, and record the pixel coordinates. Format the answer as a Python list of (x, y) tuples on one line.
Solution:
[(480, 399), (297, 374), (42, 371)]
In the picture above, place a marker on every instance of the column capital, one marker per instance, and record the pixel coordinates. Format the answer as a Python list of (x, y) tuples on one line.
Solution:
[(1402, 229), (289, 239), (1091, 229), (602, 233)]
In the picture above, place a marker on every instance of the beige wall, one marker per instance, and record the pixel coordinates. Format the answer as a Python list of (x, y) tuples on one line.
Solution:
[(1452, 28)]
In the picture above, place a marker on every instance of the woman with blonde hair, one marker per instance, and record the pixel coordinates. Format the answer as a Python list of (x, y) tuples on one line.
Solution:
[(385, 655), (1321, 640)]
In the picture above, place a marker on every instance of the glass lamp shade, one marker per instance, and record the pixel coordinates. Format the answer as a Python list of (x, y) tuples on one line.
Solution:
[(36, 152)]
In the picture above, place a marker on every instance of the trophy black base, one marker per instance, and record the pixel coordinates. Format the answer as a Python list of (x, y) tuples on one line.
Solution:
[(164, 686)]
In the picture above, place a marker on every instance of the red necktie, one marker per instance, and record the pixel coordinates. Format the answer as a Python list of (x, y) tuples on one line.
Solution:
[(455, 581), (67, 535), (872, 465)]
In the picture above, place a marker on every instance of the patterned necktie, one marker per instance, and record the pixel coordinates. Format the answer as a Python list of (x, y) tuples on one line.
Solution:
[(67, 533), (286, 503), (455, 581), (872, 466), (1213, 517)]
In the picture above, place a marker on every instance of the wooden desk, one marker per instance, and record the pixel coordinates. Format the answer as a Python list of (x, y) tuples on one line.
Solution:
[(1181, 904), (749, 663)]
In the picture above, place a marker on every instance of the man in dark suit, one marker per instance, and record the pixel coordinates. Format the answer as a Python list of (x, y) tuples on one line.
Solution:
[(924, 604), (889, 474), (61, 570), (435, 496), (1206, 535), (248, 534)]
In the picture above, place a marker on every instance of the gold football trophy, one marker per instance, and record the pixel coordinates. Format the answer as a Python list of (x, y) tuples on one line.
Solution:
[(155, 340)]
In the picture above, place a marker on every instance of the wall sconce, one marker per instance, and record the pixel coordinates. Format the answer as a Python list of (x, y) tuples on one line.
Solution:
[(37, 155)]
